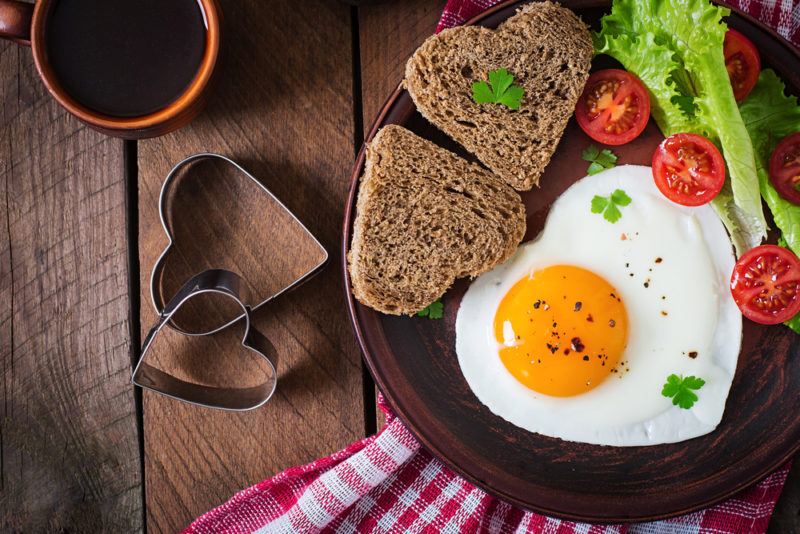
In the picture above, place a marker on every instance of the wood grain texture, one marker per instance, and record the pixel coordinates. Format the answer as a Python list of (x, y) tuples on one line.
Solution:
[(388, 35), (69, 442), (283, 108)]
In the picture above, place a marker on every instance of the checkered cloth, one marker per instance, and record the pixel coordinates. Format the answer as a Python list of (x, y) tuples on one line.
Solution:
[(388, 483)]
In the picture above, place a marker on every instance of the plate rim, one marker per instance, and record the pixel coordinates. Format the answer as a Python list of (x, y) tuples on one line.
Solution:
[(386, 389)]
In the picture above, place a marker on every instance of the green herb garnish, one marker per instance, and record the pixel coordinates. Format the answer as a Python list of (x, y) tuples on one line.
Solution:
[(435, 310), (680, 389), (609, 206), (501, 91), (600, 159)]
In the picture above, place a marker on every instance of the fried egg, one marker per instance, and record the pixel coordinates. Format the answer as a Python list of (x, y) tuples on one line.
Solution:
[(575, 335)]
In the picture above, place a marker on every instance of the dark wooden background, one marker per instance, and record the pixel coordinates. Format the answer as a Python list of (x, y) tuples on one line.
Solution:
[(80, 449)]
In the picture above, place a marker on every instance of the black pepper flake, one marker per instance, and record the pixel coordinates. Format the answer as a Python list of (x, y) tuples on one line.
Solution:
[(585, 358), (555, 324), (647, 284), (663, 297), (659, 260), (577, 345), (612, 323), (578, 306), (693, 354), (630, 274), (537, 304), (552, 348), (627, 265), (590, 318)]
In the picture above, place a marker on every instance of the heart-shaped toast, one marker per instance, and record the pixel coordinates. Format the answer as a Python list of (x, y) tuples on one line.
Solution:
[(547, 49), (425, 217)]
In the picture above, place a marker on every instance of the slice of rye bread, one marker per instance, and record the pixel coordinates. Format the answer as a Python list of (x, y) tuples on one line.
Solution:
[(546, 47), (425, 217)]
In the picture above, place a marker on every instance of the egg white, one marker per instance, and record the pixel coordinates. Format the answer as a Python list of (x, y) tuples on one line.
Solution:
[(627, 408)]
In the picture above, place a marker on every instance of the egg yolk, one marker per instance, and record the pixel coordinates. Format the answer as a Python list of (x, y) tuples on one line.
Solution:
[(561, 330)]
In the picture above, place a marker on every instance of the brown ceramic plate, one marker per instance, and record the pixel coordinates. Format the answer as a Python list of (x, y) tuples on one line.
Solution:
[(414, 363)]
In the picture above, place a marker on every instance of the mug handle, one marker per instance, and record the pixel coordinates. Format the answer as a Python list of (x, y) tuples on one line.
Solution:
[(15, 21)]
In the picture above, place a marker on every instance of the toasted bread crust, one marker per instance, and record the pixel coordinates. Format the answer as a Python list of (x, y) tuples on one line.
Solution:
[(425, 217), (546, 47)]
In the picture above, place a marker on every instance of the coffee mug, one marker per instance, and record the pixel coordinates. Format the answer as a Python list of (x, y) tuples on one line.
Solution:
[(128, 68)]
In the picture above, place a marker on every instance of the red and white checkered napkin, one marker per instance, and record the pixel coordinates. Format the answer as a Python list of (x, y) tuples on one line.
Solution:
[(388, 483)]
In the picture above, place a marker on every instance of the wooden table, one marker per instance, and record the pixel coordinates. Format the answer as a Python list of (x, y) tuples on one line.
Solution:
[(80, 449)]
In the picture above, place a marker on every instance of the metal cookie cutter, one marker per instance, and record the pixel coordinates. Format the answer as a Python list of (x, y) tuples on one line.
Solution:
[(156, 298), (145, 375), (225, 283)]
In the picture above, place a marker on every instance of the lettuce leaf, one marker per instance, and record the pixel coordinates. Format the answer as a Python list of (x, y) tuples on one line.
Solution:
[(675, 48), (769, 116)]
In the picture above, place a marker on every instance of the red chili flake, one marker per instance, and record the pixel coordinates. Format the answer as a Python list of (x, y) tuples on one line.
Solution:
[(623, 237), (577, 345), (693, 354), (664, 313), (590, 318), (612, 323), (566, 352), (659, 260)]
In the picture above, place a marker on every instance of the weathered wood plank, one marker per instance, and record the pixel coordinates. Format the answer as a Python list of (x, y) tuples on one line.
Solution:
[(68, 435), (283, 108)]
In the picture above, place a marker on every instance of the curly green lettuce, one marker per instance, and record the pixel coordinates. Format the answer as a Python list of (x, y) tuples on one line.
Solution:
[(769, 116), (675, 48)]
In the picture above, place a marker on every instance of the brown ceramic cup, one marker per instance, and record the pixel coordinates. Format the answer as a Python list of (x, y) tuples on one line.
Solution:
[(26, 24)]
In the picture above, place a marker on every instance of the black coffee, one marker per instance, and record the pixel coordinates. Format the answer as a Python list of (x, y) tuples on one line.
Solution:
[(126, 58)]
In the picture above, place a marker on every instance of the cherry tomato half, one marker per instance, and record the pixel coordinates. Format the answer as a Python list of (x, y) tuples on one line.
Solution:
[(743, 63), (784, 168), (766, 284), (688, 169), (614, 107)]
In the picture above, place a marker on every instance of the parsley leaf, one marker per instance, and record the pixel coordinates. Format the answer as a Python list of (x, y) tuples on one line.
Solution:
[(501, 91), (680, 389), (600, 159), (435, 310), (609, 206), (620, 198)]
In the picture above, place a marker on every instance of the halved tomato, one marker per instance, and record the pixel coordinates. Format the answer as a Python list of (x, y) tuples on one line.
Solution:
[(688, 169), (614, 107), (743, 63), (784, 168), (766, 284)]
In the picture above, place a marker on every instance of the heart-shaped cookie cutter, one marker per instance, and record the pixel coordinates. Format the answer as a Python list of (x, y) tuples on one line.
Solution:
[(158, 269), (228, 284), (222, 282)]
